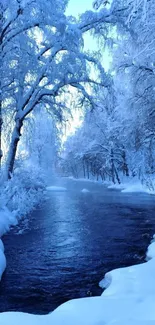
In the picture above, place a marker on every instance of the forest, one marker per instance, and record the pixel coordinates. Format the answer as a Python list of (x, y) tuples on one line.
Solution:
[(46, 72), (72, 112)]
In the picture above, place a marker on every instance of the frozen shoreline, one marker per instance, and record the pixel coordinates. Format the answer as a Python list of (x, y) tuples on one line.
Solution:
[(129, 299), (128, 185), (7, 219)]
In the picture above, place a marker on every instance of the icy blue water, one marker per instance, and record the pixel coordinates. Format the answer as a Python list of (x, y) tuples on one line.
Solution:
[(66, 247)]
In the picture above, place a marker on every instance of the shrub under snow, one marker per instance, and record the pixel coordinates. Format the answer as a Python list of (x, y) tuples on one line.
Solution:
[(20, 195)]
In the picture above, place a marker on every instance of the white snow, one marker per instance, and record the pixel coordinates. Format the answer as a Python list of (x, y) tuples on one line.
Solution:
[(129, 299), (133, 188), (151, 250), (117, 186), (2, 263), (56, 188), (1, 246), (7, 219), (128, 185), (131, 185), (92, 180), (2, 259), (85, 190)]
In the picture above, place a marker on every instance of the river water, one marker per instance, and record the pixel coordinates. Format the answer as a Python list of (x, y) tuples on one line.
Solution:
[(64, 248)]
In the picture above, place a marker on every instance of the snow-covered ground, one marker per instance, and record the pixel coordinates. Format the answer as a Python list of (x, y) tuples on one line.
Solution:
[(128, 184), (18, 197), (133, 185), (129, 299), (2, 259), (7, 219), (91, 179)]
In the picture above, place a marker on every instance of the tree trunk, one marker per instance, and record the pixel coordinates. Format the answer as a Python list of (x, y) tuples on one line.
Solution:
[(102, 176), (84, 170), (13, 147), (112, 167), (87, 170), (125, 165), (117, 177)]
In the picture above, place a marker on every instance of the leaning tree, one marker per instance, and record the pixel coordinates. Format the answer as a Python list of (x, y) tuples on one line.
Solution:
[(42, 57)]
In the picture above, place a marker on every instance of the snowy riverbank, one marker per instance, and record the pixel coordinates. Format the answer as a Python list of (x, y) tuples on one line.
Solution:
[(18, 197), (128, 300), (7, 219), (128, 184), (133, 185)]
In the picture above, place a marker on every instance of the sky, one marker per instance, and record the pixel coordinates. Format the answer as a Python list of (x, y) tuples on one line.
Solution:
[(76, 7)]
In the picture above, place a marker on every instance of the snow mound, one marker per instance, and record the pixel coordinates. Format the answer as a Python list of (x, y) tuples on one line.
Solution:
[(56, 188), (1, 246), (151, 250), (2, 259), (15, 318), (116, 186), (85, 190), (90, 180), (2, 263), (7, 219), (131, 186), (128, 300)]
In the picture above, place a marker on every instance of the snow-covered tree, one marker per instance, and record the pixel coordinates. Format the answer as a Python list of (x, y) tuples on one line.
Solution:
[(124, 127), (42, 50), (40, 142)]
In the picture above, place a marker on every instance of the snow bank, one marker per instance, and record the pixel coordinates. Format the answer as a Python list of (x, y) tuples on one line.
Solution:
[(151, 250), (2, 263), (129, 299), (18, 196), (7, 219), (128, 185), (117, 186), (2, 259), (1, 246), (56, 188), (12, 318), (131, 185), (136, 187), (92, 180)]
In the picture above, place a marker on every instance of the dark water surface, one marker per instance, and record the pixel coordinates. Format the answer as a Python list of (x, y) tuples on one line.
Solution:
[(64, 249)]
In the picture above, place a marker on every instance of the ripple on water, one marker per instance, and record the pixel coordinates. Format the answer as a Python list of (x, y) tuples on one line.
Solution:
[(63, 250)]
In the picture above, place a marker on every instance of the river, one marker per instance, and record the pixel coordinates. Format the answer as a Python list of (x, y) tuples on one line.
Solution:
[(63, 249)]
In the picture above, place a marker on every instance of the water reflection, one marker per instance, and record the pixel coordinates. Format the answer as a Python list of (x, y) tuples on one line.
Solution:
[(67, 246)]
